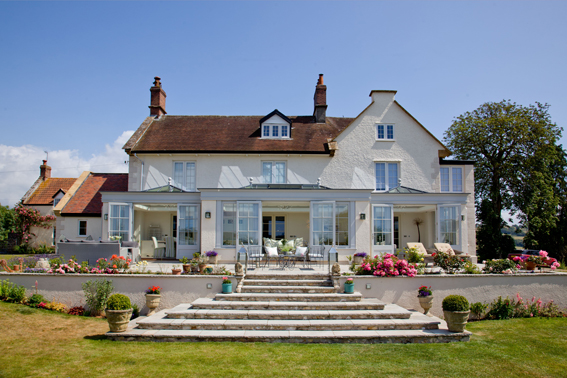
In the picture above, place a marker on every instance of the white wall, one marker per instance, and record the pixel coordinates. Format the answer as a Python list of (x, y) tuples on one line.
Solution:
[(69, 227), (42, 236)]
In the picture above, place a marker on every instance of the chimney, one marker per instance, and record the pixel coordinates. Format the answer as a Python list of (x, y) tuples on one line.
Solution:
[(320, 99), (157, 102), (44, 171)]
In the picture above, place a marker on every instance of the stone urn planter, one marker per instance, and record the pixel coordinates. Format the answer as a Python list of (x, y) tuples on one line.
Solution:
[(456, 320), (358, 260), (213, 259), (152, 301), (118, 319), (426, 303)]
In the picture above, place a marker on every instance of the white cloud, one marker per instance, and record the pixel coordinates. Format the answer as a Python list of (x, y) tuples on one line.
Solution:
[(19, 166)]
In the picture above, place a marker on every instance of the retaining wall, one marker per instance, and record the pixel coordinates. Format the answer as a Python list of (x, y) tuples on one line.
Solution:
[(399, 290)]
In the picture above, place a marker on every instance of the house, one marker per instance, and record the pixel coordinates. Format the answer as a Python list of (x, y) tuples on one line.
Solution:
[(44, 195), (360, 184)]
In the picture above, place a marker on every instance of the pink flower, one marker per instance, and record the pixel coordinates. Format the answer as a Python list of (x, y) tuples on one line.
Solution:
[(543, 253)]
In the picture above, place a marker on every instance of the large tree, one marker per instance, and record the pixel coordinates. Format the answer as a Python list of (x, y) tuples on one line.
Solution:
[(509, 142)]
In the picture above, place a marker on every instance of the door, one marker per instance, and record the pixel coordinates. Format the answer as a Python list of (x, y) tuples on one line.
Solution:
[(188, 236), (248, 222), (323, 224), (382, 229), (449, 225)]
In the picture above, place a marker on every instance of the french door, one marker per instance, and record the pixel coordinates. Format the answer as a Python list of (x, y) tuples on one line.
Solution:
[(449, 225), (382, 229), (248, 222), (188, 225)]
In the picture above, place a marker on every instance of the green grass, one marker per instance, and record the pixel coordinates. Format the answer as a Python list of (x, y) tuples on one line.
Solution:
[(36, 343)]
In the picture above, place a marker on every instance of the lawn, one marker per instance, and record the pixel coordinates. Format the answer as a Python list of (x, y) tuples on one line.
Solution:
[(43, 343)]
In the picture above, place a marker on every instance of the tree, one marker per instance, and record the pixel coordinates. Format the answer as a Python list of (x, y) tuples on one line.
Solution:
[(7, 222), (509, 142)]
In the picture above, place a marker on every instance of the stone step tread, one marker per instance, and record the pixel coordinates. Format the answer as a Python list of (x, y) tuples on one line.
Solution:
[(285, 288), (291, 277), (340, 336), (289, 297), (296, 282), (364, 303), (287, 314)]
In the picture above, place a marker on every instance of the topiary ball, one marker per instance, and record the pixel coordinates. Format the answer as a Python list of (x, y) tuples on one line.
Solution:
[(118, 302), (455, 303)]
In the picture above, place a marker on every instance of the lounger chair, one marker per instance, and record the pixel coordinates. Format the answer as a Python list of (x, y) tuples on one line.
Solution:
[(445, 247)]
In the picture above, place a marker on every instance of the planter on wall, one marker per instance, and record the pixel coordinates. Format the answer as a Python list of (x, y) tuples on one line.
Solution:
[(152, 301), (426, 303)]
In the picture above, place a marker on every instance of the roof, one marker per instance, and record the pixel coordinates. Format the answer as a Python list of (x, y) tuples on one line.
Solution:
[(236, 134), (44, 194), (405, 190), (88, 200)]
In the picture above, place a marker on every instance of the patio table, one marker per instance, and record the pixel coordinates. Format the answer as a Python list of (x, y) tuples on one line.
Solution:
[(287, 261)]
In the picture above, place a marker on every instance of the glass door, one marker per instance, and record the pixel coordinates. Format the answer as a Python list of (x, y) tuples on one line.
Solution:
[(248, 222), (449, 221), (382, 229), (188, 221), (323, 223)]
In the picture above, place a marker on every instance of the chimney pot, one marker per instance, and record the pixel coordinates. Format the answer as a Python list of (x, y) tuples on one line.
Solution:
[(44, 171), (157, 99)]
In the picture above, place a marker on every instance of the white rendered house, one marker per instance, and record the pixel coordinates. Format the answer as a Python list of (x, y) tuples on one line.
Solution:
[(217, 182)]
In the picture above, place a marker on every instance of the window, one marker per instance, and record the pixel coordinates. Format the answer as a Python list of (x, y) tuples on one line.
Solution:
[(119, 221), (280, 131), (382, 223), (273, 227), (228, 223), (323, 223), (386, 176), (341, 223), (184, 175), (188, 222), (248, 223), (274, 172), (449, 224), (451, 179), (384, 132), (82, 228), (56, 201)]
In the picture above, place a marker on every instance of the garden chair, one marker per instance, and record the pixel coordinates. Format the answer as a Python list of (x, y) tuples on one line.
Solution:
[(170, 246), (427, 254), (316, 253), (271, 254), (255, 253), (159, 248), (446, 247), (301, 254)]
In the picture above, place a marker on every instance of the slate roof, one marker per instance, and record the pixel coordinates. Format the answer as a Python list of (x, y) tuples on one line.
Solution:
[(239, 134), (87, 200), (45, 192)]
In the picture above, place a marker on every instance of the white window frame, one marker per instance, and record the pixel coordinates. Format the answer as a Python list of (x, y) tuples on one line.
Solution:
[(451, 180), (458, 220), (220, 216), (188, 249), (79, 227), (383, 248), (275, 130), (386, 175), (274, 172), (259, 225), (130, 218), (184, 179), (386, 127)]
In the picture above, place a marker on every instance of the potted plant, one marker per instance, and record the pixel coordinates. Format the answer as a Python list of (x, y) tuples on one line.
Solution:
[(202, 261), (425, 296), (175, 271), (213, 256), (349, 285), (118, 312), (226, 285), (456, 311), (359, 257), (194, 265), (533, 261), (153, 296), (186, 266)]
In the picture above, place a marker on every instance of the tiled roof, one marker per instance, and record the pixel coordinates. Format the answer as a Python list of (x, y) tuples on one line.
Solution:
[(43, 195), (87, 199), (232, 134)]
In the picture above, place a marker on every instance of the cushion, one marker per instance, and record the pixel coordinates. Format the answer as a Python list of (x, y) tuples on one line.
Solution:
[(272, 251), (420, 248), (300, 251), (278, 243), (290, 243), (445, 247), (298, 242), (269, 242)]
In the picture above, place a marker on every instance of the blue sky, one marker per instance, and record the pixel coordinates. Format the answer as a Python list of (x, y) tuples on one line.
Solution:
[(76, 75)]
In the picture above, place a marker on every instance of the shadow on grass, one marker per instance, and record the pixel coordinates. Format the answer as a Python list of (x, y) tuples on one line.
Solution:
[(95, 337)]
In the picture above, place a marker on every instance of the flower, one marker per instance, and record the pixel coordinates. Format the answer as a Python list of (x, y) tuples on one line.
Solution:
[(225, 280), (349, 281), (153, 290), (543, 254), (424, 291)]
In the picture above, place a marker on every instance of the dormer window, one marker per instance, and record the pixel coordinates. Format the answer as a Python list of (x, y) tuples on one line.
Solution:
[(275, 126)]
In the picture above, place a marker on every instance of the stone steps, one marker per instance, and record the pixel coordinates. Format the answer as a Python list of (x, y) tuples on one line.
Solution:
[(287, 289), (209, 303), (303, 337), (287, 276), (289, 297), (297, 282)]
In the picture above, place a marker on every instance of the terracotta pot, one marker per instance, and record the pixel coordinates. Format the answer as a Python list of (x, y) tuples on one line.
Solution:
[(426, 303), (186, 268), (456, 320), (530, 265), (118, 319), (16, 268), (202, 267), (176, 272), (152, 301)]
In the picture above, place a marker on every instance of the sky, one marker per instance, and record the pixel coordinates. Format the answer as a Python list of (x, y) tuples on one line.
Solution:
[(76, 75)]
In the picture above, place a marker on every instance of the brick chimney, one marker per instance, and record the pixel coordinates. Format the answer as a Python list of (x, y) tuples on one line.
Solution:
[(320, 99), (44, 171), (157, 103)]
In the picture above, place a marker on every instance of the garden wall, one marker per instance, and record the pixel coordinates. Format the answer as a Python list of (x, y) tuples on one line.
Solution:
[(400, 290)]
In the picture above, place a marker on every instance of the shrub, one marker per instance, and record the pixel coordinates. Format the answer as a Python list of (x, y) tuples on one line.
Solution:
[(118, 302), (56, 306), (35, 300), (413, 256), (10, 292), (501, 309), (449, 263), (96, 294), (385, 266), (471, 268), (500, 266), (135, 311), (478, 309), (455, 303), (78, 310)]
